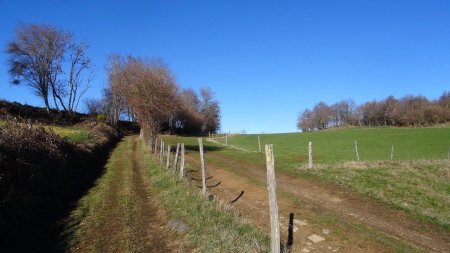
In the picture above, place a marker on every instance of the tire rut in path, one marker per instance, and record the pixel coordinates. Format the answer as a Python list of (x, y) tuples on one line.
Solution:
[(128, 217), (341, 201), (148, 231), (352, 206)]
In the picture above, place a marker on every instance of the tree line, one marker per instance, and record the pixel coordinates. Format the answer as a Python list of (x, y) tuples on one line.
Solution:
[(57, 69), (146, 92), (406, 111)]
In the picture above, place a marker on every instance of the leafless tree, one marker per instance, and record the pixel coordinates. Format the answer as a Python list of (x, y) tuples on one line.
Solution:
[(39, 55), (210, 110), (35, 57), (306, 121)]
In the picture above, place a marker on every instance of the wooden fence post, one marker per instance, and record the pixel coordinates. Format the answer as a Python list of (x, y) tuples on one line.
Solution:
[(150, 145), (226, 139), (271, 187), (175, 160), (202, 160), (356, 150), (310, 160), (156, 145), (168, 157), (392, 152), (161, 152), (259, 144), (182, 162)]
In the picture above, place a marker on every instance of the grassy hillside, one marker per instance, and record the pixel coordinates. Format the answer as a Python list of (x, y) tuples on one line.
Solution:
[(332, 146), (418, 186)]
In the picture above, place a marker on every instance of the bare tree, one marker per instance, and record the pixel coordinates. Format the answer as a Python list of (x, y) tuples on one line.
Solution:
[(306, 121), (38, 56), (210, 110), (35, 57), (94, 106), (322, 114)]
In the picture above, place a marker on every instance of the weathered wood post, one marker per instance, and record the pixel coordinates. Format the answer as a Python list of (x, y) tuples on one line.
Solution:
[(202, 160), (150, 145), (168, 157), (156, 145), (310, 160), (175, 160), (161, 152), (271, 187), (392, 152), (209, 134), (356, 150), (182, 162), (226, 139), (259, 144)]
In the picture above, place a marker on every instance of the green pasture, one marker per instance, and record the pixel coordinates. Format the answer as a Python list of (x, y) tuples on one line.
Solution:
[(331, 146)]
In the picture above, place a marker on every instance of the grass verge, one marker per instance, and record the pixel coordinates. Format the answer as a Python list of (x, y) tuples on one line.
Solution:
[(214, 227)]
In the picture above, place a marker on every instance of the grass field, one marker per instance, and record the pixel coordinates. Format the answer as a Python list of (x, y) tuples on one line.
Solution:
[(331, 146), (417, 181), (419, 187)]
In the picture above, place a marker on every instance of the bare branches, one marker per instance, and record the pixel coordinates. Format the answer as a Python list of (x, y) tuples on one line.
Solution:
[(407, 111), (38, 56)]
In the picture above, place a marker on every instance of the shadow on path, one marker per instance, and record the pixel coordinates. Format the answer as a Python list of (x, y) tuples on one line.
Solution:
[(41, 226)]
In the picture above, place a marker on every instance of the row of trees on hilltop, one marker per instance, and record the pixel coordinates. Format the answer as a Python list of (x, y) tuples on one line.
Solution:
[(406, 111), (51, 63), (146, 92)]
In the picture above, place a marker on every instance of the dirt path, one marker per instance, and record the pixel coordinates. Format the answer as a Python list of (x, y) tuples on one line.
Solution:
[(124, 216), (347, 222)]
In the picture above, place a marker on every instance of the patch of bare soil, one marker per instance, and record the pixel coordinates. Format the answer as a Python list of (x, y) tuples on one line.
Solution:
[(133, 219), (308, 211), (148, 224)]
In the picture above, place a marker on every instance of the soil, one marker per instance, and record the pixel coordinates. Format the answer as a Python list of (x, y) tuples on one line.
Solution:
[(311, 211), (140, 226)]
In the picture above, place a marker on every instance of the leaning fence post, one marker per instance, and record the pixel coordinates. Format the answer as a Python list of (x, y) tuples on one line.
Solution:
[(310, 160), (202, 160), (182, 162), (175, 160), (271, 187), (168, 157), (356, 150), (392, 151), (259, 144)]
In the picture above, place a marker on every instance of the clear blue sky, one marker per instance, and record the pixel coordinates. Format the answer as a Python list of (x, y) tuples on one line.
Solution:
[(266, 60)]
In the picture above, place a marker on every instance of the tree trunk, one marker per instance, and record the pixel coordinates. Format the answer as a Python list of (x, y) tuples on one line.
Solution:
[(47, 107)]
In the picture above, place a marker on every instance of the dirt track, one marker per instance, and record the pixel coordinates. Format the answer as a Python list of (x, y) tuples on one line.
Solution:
[(129, 218), (341, 217)]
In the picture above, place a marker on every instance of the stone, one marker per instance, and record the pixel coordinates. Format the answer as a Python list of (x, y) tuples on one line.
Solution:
[(300, 222), (178, 226), (326, 231), (316, 238)]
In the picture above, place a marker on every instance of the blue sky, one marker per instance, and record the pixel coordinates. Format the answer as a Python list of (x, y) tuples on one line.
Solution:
[(266, 60)]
